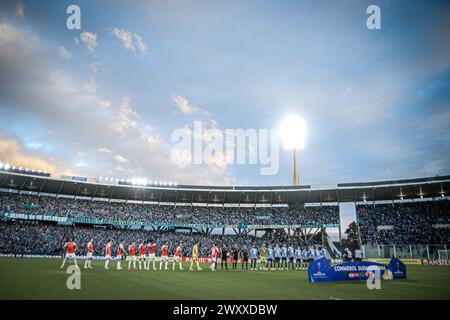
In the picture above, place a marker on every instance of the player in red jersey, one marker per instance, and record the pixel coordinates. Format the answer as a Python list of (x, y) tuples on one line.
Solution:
[(214, 255), (164, 256), (89, 252), (151, 254), (142, 257), (120, 252), (108, 253), (70, 247), (177, 256), (132, 251)]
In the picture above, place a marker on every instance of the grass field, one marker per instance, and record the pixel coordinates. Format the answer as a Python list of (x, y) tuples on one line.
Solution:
[(42, 279)]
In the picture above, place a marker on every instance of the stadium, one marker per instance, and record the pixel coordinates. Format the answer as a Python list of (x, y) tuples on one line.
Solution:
[(408, 219), (224, 151)]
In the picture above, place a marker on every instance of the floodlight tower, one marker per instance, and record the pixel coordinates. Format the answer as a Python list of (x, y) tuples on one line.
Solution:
[(296, 180), (292, 132)]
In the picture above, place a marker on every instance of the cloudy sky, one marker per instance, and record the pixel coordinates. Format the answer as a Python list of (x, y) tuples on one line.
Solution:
[(104, 100)]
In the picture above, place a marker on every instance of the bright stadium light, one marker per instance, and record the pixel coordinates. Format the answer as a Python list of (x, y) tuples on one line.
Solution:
[(7, 166), (292, 133)]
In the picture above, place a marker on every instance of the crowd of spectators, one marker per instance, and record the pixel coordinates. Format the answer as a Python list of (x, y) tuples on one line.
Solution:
[(425, 222), (32, 237), (121, 211)]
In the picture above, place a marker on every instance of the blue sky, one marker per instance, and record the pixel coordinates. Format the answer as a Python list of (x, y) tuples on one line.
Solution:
[(104, 100)]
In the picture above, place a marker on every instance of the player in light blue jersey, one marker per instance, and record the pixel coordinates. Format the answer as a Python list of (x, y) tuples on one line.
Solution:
[(317, 253), (270, 257), (284, 257), (323, 252), (254, 255), (277, 251), (298, 258), (311, 254), (291, 256), (305, 257)]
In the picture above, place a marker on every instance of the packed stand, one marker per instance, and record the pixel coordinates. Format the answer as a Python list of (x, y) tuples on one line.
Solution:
[(423, 222), (27, 237), (121, 211)]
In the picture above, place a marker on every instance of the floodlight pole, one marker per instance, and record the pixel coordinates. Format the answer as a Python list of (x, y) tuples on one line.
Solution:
[(295, 180)]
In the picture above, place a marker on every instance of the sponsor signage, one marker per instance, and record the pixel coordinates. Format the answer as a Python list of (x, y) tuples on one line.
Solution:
[(322, 271), (435, 262)]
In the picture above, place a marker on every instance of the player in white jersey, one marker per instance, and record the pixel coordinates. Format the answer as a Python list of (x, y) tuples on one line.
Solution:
[(164, 256), (108, 253), (142, 255), (132, 258), (89, 252), (214, 256), (151, 254), (120, 252), (178, 256)]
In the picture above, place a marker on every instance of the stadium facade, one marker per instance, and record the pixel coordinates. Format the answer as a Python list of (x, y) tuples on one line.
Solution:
[(392, 190)]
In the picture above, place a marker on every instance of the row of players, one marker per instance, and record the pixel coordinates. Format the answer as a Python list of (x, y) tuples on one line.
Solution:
[(276, 257)]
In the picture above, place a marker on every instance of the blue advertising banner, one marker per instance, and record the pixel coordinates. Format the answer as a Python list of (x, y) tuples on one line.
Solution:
[(321, 270), (397, 269)]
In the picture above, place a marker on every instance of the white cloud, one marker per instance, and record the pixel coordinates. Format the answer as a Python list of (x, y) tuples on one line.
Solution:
[(93, 67), (126, 116), (83, 131), (19, 10), (104, 150), (105, 103), (90, 86), (183, 105), (120, 159), (64, 53), (140, 44), (130, 41), (152, 141), (12, 152), (90, 39)]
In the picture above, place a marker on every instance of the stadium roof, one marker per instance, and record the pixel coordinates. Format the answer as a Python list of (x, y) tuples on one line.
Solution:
[(432, 187)]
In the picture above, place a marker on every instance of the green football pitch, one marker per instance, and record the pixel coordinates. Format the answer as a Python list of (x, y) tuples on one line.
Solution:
[(42, 279)]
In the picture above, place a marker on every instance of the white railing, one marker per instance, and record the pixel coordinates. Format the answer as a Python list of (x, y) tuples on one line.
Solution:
[(405, 251)]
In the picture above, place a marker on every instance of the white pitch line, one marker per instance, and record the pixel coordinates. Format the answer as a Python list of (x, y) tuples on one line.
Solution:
[(419, 285)]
